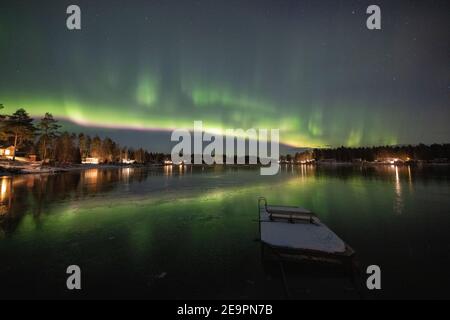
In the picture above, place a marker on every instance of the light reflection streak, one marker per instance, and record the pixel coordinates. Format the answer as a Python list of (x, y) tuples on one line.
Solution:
[(5, 195), (398, 202), (168, 170), (410, 179)]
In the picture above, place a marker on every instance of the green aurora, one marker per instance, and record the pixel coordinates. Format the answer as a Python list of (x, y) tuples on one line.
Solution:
[(318, 76)]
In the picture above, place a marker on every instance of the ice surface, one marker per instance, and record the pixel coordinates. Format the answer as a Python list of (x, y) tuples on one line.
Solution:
[(311, 236)]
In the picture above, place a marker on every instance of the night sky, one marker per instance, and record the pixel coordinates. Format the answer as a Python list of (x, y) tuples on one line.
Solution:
[(310, 68)]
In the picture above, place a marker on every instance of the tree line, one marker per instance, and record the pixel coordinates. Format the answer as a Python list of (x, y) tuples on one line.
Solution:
[(45, 139), (419, 152)]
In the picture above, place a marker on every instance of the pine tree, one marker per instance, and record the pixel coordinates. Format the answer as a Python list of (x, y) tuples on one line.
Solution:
[(96, 148), (48, 128), (19, 127), (84, 145)]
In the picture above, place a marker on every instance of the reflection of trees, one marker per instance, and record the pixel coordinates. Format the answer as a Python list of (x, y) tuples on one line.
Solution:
[(419, 152), (426, 174), (35, 194), (10, 209)]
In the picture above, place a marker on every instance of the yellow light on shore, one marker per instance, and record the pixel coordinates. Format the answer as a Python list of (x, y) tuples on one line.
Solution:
[(4, 188)]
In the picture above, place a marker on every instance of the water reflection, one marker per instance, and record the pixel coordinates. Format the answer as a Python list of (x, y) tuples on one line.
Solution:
[(410, 178), (121, 223), (34, 194), (168, 170), (5, 195), (398, 202)]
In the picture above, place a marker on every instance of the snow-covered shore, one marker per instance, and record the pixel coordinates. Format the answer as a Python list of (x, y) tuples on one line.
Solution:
[(25, 167)]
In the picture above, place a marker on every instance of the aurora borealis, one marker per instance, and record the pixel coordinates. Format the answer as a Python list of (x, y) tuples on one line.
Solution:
[(310, 68)]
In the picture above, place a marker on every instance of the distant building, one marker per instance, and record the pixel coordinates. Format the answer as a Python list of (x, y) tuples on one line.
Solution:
[(91, 161), (389, 160), (310, 161), (6, 151)]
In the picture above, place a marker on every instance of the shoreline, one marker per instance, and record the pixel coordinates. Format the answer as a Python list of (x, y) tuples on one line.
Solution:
[(20, 168), (35, 168), (13, 170)]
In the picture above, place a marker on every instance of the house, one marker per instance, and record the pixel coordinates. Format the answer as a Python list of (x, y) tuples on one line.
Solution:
[(389, 160), (6, 151), (128, 161), (91, 161)]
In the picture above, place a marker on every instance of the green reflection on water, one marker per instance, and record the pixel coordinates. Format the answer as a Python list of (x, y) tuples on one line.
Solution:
[(198, 226)]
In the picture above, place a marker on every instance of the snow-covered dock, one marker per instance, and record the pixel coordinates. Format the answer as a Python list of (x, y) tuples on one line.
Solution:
[(295, 232)]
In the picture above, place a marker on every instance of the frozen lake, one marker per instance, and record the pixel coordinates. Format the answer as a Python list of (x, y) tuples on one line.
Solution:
[(191, 233)]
